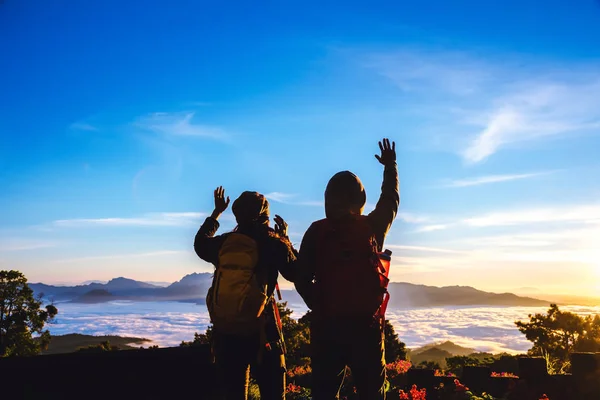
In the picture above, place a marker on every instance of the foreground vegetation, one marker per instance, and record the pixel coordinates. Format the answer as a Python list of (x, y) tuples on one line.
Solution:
[(554, 336)]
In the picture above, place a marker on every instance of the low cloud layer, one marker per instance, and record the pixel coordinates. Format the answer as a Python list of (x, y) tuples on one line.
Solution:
[(168, 323)]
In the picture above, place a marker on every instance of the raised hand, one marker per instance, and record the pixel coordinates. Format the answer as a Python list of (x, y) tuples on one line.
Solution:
[(281, 226), (388, 153), (221, 203)]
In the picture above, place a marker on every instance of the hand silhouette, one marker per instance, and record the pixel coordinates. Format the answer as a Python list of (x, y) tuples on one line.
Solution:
[(388, 153), (281, 226), (221, 203)]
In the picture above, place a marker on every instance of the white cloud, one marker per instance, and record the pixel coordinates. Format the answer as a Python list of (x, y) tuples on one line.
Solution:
[(154, 219), (178, 124), (581, 214), (542, 111), (165, 323), (280, 197), (482, 180), (288, 198), (432, 228), (168, 323), (492, 103)]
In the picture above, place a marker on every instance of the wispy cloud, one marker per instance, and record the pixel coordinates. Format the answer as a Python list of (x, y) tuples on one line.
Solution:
[(532, 242), (154, 219), (482, 180), (21, 244), (178, 124), (426, 249), (280, 197), (413, 218), (120, 256), (289, 198), (535, 112), (581, 214), (82, 126), (494, 103)]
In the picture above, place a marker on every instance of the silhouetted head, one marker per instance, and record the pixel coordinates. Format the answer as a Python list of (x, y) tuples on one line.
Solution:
[(251, 208), (345, 194)]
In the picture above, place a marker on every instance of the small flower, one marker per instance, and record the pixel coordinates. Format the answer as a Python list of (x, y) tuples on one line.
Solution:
[(291, 388), (460, 387), (503, 375)]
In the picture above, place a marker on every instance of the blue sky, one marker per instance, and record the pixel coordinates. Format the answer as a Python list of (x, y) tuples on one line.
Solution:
[(118, 120)]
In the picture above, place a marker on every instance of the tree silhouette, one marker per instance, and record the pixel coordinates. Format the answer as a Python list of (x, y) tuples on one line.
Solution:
[(296, 335), (429, 365), (557, 333), (455, 364), (22, 316), (200, 339), (394, 348)]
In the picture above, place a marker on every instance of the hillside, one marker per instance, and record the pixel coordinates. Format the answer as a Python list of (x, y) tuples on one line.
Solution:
[(438, 352), (94, 296), (72, 342), (193, 288), (432, 355), (447, 346)]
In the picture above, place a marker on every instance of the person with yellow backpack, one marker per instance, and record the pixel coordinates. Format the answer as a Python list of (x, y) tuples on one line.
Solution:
[(241, 304)]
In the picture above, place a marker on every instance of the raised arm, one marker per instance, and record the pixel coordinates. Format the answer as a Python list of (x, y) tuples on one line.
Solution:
[(205, 244), (289, 255), (385, 211)]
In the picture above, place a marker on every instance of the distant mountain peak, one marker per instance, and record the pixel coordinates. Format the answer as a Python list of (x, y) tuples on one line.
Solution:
[(121, 279), (121, 283), (194, 278)]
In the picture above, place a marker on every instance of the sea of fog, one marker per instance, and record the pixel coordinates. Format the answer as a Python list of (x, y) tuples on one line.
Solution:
[(489, 329)]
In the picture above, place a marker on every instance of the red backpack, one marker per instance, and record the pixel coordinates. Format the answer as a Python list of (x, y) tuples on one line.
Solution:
[(351, 276)]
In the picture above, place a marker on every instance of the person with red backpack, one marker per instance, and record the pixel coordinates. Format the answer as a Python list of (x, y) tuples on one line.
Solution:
[(242, 308), (342, 277)]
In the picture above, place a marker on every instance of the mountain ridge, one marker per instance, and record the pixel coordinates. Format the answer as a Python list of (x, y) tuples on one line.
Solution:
[(193, 288)]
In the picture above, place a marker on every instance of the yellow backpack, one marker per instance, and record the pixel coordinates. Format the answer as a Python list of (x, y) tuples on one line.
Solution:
[(237, 299)]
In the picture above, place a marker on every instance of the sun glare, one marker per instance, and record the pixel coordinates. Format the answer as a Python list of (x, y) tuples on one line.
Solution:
[(595, 265)]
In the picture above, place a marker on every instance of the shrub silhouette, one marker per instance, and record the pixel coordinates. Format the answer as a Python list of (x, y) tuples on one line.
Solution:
[(98, 348)]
